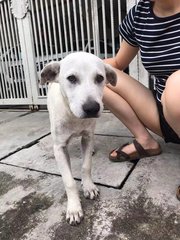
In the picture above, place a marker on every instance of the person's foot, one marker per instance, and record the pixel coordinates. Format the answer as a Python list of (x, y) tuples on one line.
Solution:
[(135, 150)]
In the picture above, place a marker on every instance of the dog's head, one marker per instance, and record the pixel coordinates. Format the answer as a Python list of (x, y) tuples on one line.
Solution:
[(82, 77)]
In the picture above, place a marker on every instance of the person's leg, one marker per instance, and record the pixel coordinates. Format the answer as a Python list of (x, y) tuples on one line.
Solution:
[(170, 101), (135, 106)]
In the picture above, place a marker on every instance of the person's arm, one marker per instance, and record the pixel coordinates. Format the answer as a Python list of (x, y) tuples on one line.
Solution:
[(123, 57)]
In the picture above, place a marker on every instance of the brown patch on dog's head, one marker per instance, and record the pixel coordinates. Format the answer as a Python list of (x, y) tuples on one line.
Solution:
[(111, 76), (50, 72)]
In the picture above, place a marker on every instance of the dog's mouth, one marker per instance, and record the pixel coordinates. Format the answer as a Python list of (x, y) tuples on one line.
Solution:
[(91, 115), (85, 115)]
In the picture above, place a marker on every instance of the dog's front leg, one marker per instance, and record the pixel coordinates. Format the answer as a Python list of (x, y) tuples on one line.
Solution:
[(89, 188), (74, 213)]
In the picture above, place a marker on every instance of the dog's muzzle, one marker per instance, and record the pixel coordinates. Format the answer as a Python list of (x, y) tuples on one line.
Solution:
[(91, 109)]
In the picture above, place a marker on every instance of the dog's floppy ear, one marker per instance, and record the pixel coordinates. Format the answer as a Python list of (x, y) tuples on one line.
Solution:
[(49, 72), (110, 75)]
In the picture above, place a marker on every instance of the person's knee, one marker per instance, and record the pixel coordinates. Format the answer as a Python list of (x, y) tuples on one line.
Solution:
[(170, 106), (174, 80), (172, 88), (171, 96)]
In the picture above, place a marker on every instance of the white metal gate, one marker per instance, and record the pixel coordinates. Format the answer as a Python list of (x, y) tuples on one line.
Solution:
[(13, 87), (38, 31)]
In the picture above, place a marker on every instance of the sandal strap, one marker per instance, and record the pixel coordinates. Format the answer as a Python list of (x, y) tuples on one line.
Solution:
[(119, 150), (141, 151), (121, 154)]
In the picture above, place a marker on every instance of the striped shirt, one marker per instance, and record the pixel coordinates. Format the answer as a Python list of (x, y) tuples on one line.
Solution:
[(158, 40)]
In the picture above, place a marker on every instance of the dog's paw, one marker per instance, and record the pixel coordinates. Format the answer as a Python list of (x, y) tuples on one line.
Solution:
[(74, 214), (90, 190)]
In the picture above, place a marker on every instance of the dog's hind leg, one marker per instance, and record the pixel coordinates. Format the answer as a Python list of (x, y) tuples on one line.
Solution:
[(74, 213), (89, 188)]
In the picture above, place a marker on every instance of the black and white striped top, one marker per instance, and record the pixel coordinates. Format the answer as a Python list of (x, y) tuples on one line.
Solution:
[(158, 40)]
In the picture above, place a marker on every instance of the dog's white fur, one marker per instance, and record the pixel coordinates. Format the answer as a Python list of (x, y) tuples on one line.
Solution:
[(74, 101)]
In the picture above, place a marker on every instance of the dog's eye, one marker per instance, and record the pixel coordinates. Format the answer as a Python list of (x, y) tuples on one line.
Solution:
[(72, 79), (99, 78)]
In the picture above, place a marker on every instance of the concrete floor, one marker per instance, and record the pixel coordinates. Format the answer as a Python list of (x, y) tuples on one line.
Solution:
[(137, 201)]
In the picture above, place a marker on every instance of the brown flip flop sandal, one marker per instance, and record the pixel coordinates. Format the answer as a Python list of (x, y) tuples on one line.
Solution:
[(178, 193), (140, 153)]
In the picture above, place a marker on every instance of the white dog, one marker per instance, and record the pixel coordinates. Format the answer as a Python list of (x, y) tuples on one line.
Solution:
[(74, 101)]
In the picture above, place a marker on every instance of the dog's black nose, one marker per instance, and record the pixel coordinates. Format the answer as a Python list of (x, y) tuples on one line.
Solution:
[(91, 108)]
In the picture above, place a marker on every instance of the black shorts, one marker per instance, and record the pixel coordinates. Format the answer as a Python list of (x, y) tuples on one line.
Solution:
[(168, 133)]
